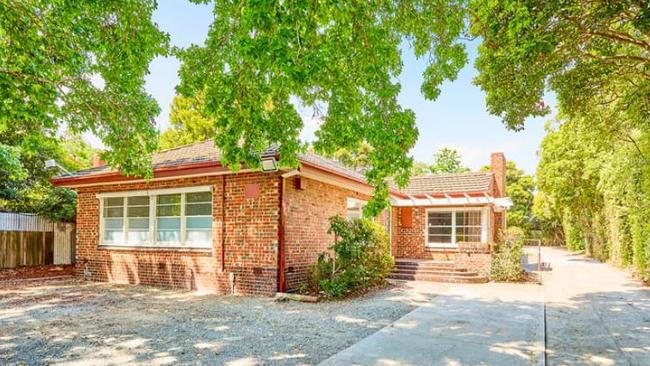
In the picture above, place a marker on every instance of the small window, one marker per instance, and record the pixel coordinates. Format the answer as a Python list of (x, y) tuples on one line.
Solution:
[(355, 208)]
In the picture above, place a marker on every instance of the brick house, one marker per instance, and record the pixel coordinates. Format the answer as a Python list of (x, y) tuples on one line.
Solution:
[(199, 226)]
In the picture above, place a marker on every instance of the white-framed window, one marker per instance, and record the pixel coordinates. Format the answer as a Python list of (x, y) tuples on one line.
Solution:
[(446, 227), (157, 218), (355, 208)]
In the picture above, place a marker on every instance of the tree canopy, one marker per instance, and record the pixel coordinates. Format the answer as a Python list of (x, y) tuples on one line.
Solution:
[(189, 123), (447, 160), (340, 58), (79, 64), (587, 52)]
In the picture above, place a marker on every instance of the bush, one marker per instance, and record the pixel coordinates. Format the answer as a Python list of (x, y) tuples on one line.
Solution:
[(361, 258), (506, 263)]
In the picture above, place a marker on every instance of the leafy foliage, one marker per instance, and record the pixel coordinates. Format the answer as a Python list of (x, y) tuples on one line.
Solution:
[(81, 63), (447, 160), (188, 123), (506, 263), (342, 59), (587, 52), (361, 258), (520, 187), (594, 174), (27, 188)]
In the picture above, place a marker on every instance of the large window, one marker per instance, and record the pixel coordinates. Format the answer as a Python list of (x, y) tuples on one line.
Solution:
[(168, 217), (447, 228)]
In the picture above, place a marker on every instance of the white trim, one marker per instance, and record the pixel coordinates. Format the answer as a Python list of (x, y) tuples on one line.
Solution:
[(453, 210), (500, 204), (155, 192)]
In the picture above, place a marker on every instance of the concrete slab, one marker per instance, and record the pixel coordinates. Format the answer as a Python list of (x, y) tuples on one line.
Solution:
[(495, 324), (595, 315)]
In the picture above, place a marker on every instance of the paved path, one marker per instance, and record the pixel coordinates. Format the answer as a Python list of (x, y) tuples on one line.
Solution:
[(596, 315)]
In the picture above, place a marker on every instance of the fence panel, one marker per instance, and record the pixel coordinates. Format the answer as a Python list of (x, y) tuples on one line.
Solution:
[(30, 240)]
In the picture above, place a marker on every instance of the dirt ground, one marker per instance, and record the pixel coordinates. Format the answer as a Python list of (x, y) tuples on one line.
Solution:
[(69, 322)]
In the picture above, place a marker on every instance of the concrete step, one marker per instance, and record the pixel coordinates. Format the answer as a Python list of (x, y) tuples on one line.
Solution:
[(426, 264), (440, 278), (430, 267), (448, 272)]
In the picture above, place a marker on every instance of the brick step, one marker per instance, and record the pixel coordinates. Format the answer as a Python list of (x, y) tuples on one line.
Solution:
[(447, 272), (432, 267), (441, 278)]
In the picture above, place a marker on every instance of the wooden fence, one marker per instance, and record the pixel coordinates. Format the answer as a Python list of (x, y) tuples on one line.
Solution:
[(30, 240)]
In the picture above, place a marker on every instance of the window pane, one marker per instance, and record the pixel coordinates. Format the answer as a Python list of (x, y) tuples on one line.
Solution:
[(169, 199), (173, 210), (354, 214), (439, 239), (142, 211), (443, 230), (198, 197), (169, 229), (114, 223), (199, 236), (199, 223), (113, 211), (169, 223), (439, 218), (138, 236), (169, 236), (468, 218), (138, 201), (139, 223), (196, 209), (113, 236), (114, 201)]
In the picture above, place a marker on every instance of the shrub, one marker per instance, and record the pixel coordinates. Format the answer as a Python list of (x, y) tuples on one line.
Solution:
[(361, 258), (506, 263)]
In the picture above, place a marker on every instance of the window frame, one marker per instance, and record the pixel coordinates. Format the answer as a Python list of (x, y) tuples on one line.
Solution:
[(153, 218), (453, 211)]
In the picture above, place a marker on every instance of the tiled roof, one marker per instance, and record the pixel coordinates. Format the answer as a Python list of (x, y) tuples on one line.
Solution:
[(206, 151), (331, 165), (448, 183)]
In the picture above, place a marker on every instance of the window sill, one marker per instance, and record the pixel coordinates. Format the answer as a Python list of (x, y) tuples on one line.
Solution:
[(150, 248), (441, 247)]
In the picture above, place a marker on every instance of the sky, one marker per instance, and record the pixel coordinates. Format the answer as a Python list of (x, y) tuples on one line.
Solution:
[(457, 119)]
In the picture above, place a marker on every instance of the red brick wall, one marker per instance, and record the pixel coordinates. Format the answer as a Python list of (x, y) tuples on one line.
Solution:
[(250, 241), (307, 212)]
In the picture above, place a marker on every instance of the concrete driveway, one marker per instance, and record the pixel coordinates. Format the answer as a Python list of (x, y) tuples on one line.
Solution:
[(595, 315)]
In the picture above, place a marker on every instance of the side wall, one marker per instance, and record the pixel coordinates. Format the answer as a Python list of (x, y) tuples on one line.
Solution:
[(307, 212), (251, 228)]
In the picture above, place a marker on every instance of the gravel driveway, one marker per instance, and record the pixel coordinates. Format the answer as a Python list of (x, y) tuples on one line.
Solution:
[(76, 323)]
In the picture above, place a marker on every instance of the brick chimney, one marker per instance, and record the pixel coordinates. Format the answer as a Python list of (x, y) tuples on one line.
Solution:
[(97, 161), (498, 168)]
